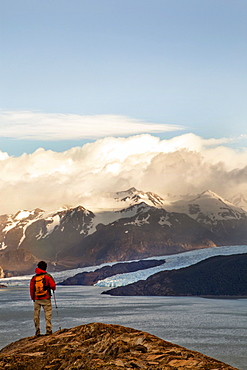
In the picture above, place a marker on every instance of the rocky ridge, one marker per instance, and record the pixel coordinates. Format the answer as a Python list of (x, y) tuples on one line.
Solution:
[(98, 346)]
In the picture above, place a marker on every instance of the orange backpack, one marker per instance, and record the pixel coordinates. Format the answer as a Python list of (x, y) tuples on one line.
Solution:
[(40, 287)]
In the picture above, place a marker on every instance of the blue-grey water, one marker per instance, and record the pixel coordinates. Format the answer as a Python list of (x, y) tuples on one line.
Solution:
[(214, 327)]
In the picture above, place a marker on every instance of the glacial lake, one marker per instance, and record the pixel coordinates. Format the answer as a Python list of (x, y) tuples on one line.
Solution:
[(214, 327)]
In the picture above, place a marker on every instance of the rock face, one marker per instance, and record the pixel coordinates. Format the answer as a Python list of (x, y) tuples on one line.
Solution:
[(144, 231), (92, 277), (17, 262), (215, 276), (100, 346)]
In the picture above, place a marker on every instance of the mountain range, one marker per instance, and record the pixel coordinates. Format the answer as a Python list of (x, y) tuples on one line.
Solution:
[(136, 225)]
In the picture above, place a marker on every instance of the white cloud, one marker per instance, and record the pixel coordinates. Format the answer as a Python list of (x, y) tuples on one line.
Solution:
[(51, 126), (81, 175)]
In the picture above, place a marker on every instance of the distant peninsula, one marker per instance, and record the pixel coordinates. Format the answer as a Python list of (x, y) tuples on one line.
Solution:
[(224, 276), (92, 277)]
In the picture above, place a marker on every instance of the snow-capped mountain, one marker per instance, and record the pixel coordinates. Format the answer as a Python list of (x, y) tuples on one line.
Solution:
[(145, 226), (239, 200), (134, 196), (143, 231), (12, 227), (16, 230), (224, 219), (207, 204)]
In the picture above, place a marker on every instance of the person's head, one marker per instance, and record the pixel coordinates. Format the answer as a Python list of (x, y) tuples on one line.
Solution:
[(42, 265)]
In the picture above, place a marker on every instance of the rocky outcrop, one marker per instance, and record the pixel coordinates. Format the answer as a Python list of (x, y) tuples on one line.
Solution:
[(215, 276), (92, 277), (102, 347)]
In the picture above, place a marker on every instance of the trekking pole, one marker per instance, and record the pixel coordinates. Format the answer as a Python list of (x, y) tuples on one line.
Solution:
[(57, 310)]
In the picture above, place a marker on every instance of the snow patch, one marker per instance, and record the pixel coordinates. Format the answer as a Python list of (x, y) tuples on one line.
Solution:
[(55, 221), (22, 214), (39, 235), (10, 225), (138, 222), (164, 221), (3, 246)]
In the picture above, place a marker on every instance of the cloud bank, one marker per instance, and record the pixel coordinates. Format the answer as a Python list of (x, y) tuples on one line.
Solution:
[(53, 126), (82, 175)]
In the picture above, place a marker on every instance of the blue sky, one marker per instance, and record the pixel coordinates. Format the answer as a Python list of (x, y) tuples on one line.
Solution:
[(99, 96), (153, 62)]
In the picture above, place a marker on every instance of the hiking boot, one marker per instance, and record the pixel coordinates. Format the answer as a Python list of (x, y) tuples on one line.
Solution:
[(48, 332), (37, 333)]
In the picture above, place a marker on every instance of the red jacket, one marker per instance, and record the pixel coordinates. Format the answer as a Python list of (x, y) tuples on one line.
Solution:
[(49, 282)]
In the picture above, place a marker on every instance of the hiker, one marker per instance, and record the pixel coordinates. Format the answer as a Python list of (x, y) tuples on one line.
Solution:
[(41, 285)]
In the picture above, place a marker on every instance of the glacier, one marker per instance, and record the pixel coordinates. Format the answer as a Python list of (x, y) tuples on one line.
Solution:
[(174, 261)]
